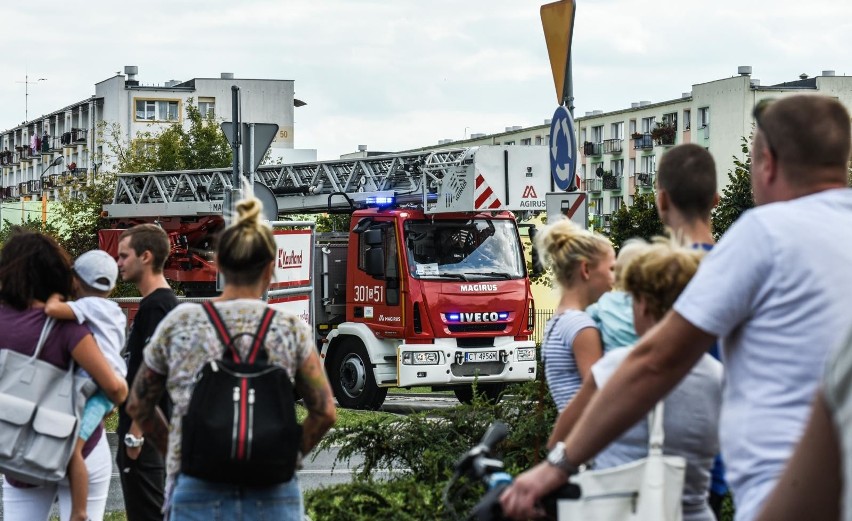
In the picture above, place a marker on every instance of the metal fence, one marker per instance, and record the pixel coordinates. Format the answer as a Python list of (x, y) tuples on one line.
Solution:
[(541, 317)]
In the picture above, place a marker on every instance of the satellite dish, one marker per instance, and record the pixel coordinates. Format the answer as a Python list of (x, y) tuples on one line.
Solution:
[(599, 172)]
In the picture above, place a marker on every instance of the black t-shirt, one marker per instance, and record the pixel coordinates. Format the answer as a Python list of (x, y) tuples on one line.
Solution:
[(152, 309)]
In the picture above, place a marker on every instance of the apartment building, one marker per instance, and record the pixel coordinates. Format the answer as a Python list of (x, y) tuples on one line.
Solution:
[(70, 143), (619, 150)]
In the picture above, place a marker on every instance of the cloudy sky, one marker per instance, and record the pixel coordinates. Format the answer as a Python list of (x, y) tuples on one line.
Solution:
[(396, 74)]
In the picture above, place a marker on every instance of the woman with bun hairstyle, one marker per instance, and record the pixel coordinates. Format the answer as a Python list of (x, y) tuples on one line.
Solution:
[(186, 341), (582, 264)]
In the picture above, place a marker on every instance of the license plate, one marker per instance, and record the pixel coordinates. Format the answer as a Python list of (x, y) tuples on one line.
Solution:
[(481, 356)]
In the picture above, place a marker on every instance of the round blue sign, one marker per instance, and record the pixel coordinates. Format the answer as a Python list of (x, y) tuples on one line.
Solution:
[(563, 149)]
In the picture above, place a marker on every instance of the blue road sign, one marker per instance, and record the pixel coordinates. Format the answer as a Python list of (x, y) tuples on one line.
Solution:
[(563, 149)]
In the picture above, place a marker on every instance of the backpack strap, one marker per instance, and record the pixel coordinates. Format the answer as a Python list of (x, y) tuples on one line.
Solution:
[(227, 340), (221, 330), (260, 336)]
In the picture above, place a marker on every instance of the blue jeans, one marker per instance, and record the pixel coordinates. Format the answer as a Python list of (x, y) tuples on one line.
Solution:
[(194, 499)]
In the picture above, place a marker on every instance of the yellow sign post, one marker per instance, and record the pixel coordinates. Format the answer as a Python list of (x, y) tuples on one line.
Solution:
[(557, 20)]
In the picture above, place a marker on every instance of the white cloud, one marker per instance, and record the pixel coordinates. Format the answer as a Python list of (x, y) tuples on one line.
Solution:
[(403, 73)]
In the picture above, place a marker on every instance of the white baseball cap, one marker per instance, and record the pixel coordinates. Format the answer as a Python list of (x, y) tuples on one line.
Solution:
[(97, 269)]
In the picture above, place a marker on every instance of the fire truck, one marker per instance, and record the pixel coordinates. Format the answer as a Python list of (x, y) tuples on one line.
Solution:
[(427, 287)]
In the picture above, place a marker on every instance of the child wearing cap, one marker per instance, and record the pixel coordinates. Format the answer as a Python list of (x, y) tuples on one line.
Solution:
[(95, 274)]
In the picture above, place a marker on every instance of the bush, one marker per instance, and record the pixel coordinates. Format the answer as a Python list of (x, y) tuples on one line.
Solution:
[(425, 446)]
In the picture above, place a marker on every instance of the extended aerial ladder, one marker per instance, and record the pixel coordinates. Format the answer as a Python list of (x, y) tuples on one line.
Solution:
[(488, 178)]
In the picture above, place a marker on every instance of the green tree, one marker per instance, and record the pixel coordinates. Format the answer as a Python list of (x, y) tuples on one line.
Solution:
[(737, 196), (201, 145), (638, 220)]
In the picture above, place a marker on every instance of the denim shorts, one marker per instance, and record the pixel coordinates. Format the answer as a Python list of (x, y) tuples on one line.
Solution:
[(194, 499), (97, 407)]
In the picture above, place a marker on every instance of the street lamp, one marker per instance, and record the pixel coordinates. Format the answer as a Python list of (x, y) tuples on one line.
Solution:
[(44, 172)]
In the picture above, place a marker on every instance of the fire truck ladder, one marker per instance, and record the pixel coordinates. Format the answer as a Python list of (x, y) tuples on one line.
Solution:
[(298, 188)]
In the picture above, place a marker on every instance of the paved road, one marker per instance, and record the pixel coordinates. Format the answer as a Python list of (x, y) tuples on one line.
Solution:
[(317, 471)]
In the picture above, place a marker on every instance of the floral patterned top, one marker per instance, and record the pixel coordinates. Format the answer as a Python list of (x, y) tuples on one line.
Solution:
[(185, 341)]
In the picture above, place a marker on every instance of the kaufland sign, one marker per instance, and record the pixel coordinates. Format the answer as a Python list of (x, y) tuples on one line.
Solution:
[(293, 260)]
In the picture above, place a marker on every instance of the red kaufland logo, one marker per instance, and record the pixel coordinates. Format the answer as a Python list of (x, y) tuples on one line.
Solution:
[(529, 193), (289, 260)]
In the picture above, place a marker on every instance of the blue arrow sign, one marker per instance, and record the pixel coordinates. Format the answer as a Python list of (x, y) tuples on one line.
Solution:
[(563, 149)]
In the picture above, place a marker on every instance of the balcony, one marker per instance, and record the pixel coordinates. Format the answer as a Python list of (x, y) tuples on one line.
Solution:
[(6, 158), (643, 141), (612, 146), (592, 149), (34, 187), (79, 135), (645, 180), (592, 184), (612, 182), (664, 133)]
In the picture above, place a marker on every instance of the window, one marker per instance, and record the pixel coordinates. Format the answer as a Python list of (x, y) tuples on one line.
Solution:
[(597, 169), (538, 140), (630, 199), (156, 110), (617, 167), (670, 119), (583, 135), (207, 107), (597, 134), (596, 205), (631, 166), (617, 130), (648, 124), (686, 119), (649, 164), (703, 117), (527, 141), (632, 126), (615, 203)]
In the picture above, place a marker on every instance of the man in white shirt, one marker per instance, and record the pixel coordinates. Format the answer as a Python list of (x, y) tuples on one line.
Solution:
[(775, 291)]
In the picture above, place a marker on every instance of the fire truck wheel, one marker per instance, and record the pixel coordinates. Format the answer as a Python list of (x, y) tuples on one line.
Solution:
[(351, 376), (490, 392)]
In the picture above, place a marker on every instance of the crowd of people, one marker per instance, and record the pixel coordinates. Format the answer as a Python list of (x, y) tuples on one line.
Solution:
[(775, 295), (745, 343), (167, 345)]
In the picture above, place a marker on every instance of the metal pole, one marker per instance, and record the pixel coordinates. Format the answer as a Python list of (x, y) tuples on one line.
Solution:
[(568, 89), (231, 203), (251, 154)]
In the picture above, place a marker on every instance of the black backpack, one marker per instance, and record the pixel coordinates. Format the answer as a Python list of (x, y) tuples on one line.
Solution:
[(240, 427)]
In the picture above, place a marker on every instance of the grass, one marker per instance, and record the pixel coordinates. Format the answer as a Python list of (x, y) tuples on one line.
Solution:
[(346, 417), (108, 516)]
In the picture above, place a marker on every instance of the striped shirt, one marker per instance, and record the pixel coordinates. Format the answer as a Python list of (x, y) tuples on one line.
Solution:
[(557, 351)]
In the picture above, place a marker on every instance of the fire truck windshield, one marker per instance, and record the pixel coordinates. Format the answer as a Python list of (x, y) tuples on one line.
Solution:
[(475, 249)]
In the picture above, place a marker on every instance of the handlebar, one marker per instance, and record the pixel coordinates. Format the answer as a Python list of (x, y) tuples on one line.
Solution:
[(478, 464)]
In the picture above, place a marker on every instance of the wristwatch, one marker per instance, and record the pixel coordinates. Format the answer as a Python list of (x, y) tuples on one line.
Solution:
[(558, 459), (132, 441)]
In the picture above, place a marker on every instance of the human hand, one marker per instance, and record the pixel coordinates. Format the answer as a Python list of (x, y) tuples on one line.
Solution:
[(521, 499)]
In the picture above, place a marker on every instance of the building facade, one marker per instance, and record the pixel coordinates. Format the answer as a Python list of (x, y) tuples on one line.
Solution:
[(619, 150), (72, 143)]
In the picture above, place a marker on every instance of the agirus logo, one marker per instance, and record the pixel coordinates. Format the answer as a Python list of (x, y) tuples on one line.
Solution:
[(479, 287)]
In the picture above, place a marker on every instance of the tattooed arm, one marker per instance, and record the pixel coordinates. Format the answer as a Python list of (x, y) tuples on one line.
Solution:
[(148, 387), (312, 385)]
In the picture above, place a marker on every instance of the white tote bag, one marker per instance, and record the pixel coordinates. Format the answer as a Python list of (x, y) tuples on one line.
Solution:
[(649, 489)]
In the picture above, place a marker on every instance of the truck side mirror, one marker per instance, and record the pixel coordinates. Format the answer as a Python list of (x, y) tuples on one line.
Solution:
[(373, 237), (537, 268), (374, 263)]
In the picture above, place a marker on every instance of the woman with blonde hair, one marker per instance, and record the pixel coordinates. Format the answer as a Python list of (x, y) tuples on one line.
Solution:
[(582, 264), (654, 279), (186, 343)]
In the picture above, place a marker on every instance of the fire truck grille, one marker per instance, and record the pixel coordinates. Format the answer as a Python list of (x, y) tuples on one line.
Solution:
[(477, 328), (480, 368)]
